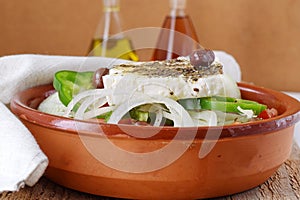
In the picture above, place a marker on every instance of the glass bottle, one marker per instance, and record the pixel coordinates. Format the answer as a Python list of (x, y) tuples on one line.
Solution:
[(109, 40), (178, 36)]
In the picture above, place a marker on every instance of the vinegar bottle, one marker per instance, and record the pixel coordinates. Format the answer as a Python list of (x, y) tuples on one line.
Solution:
[(178, 36), (109, 40)]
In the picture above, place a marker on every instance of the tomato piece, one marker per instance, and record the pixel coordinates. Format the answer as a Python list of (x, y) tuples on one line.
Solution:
[(268, 113)]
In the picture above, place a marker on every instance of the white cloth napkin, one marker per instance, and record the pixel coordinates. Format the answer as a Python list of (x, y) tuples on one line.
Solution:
[(21, 160)]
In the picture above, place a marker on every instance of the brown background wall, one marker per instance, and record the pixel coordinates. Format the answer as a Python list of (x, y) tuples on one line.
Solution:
[(263, 35)]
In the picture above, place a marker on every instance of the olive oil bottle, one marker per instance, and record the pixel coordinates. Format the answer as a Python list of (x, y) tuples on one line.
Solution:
[(109, 40), (177, 36)]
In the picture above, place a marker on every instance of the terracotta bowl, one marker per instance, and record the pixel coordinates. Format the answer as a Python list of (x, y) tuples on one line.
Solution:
[(124, 161)]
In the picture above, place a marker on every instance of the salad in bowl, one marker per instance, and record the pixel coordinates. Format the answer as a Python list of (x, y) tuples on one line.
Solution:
[(184, 92), (159, 126)]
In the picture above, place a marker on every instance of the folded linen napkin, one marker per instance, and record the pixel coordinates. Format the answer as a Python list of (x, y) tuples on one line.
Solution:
[(21, 160)]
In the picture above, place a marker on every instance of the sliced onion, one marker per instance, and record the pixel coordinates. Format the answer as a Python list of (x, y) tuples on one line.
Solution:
[(96, 112), (95, 93), (230, 87), (88, 102), (169, 116), (158, 110), (158, 118), (204, 118), (181, 116)]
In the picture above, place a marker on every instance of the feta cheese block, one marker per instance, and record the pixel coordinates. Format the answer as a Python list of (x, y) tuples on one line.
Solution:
[(175, 79)]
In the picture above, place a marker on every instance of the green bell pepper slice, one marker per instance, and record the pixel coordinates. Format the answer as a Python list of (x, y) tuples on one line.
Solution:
[(69, 83), (105, 116), (228, 104)]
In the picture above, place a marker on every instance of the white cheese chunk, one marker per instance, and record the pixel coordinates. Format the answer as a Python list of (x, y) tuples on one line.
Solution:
[(176, 80)]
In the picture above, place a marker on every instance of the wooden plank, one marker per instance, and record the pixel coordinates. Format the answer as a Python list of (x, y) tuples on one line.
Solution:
[(284, 184)]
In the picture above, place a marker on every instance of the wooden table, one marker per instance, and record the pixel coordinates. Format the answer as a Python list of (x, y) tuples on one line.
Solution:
[(284, 184)]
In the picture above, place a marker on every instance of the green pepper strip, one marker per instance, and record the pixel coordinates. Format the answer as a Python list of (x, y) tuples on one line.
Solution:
[(69, 83), (139, 115), (145, 116), (228, 104), (105, 116)]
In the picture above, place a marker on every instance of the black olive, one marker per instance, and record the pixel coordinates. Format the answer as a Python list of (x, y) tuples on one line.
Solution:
[(202, 58), (97, 78)]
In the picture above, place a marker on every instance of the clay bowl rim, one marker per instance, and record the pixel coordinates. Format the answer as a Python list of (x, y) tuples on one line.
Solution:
[(289, 116)]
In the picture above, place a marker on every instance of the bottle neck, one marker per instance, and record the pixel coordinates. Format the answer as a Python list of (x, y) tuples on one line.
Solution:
[(111, 6), (177, 13), (110, 23), (177, 8)]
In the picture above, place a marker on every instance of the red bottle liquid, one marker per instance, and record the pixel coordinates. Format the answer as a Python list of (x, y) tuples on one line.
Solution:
[(178, 36)]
